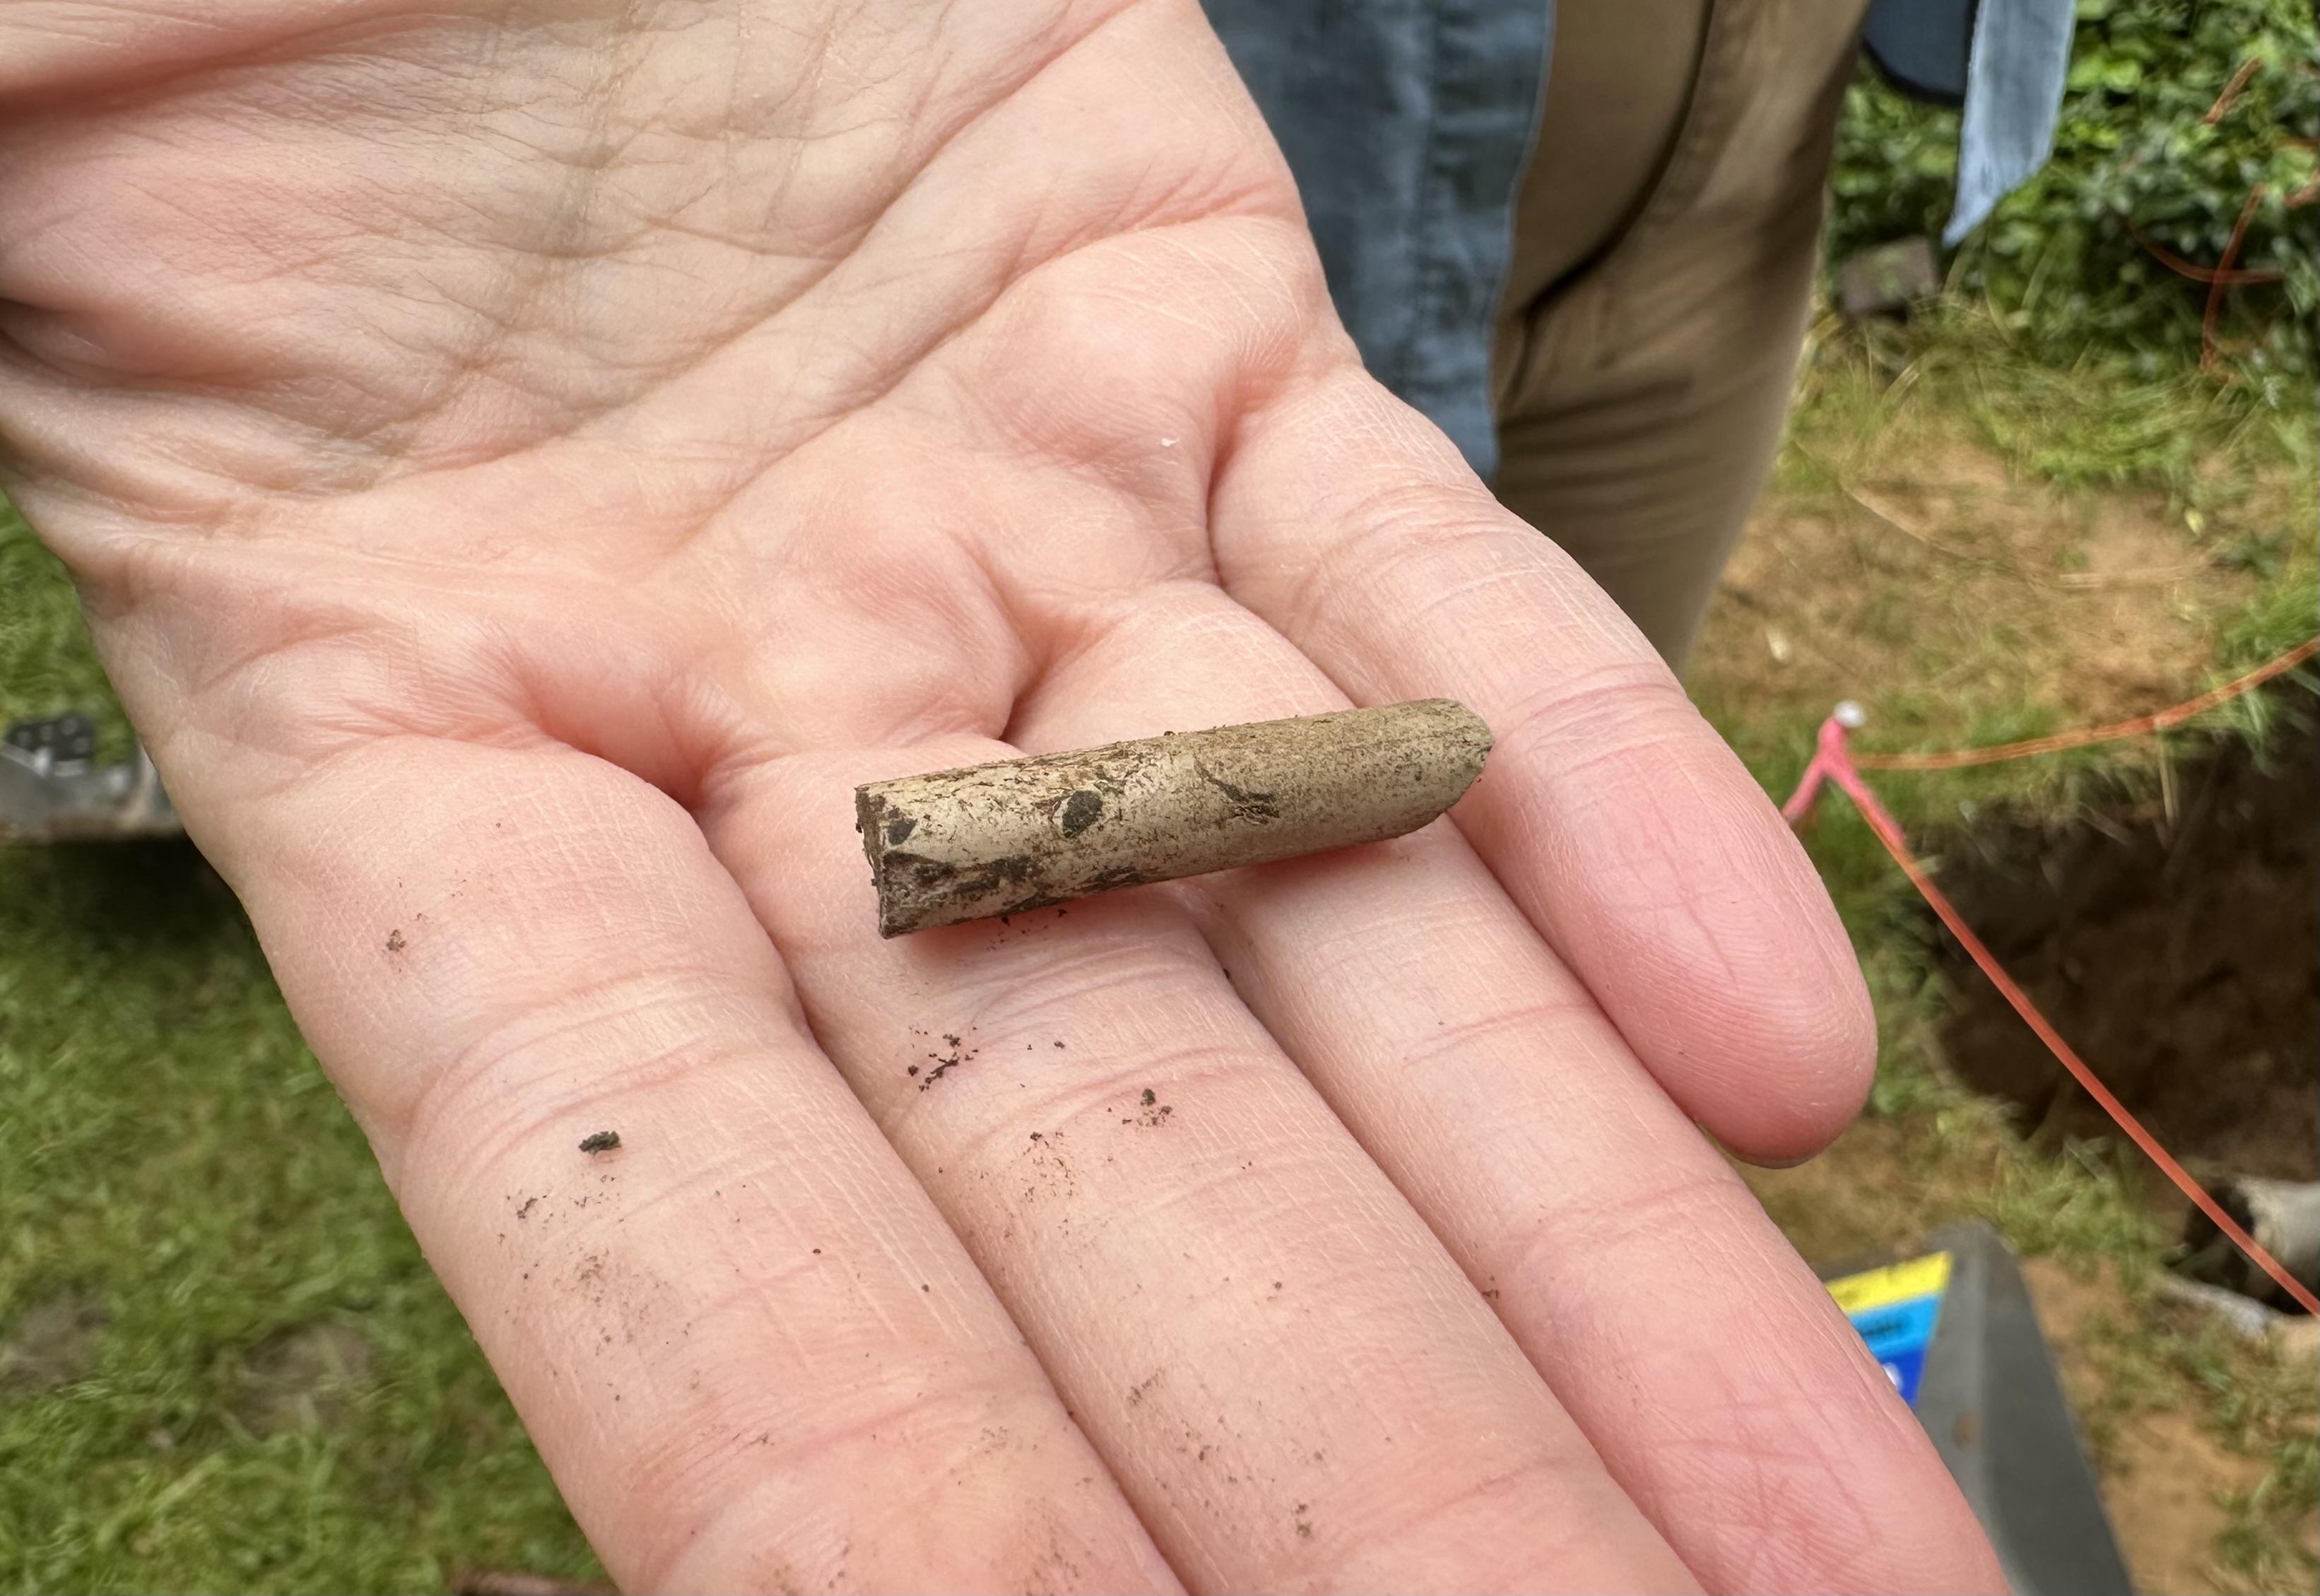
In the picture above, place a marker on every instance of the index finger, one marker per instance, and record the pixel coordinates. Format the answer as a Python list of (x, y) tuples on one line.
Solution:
[(1614, 816)]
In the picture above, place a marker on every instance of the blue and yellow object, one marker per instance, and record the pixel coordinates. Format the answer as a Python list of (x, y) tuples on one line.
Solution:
[(1896, 1309)]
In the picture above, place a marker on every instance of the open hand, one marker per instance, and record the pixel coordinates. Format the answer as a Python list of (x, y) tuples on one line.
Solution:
[(526, 462)]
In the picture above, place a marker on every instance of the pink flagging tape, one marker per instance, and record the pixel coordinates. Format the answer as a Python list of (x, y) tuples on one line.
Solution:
[(1833, 761)]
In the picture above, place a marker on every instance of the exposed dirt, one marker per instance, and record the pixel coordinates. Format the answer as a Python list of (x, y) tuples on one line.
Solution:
[(2161, 1472), (309, 1375), (1916, 577), (2177, 947), (52, 1342), (944, 1063)]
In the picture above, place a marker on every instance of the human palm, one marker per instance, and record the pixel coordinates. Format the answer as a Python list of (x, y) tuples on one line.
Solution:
[(526, 464)]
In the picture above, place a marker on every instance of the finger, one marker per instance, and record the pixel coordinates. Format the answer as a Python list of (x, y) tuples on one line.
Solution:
[(1718, 1383), (749, 1348), (1290, 1378), (1614, 816)]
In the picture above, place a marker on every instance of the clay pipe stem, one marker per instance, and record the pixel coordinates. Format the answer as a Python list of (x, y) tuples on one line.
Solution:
[(1026, 833)]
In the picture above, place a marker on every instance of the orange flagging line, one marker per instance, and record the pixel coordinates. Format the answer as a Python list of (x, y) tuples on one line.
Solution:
[(2141, 725), (2237, 277), (2208, 347), (2232, 90), (1841, 771)]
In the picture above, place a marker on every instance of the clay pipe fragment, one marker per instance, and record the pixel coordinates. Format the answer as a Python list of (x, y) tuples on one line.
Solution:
[(1026, 834)]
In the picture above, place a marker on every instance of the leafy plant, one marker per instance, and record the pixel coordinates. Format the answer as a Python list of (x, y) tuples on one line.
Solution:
[(2076, 259)]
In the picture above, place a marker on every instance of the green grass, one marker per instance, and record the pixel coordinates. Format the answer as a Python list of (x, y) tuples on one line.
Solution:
[(2104, 422), (2259, 1547), (2219, 455), (2254, 1400), (46, 663), (224, 1363)]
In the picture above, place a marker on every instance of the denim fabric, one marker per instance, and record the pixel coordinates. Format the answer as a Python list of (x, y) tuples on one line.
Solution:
[(1407, 124), (2013, 95), (1408, 121)]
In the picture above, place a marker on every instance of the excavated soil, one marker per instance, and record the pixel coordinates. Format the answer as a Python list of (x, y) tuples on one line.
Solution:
[(2176, 944)]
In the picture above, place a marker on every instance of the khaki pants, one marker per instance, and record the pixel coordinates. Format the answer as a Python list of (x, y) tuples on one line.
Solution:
[(1665, 238)]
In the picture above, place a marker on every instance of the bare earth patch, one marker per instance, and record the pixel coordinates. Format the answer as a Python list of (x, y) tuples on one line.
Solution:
[(1913, 574), (2175, 945), (52, 1342), (2161, 1474), (303, 1376)]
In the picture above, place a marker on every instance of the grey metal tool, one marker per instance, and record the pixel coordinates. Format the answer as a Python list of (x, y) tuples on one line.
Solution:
[(54, 790), (1992, 1406)]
